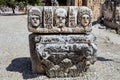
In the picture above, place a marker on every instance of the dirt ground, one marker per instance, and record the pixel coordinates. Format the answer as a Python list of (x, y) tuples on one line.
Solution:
[(15, 61)]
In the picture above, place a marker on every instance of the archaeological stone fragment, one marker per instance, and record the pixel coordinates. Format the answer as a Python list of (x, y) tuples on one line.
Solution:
[(54, 48), (48, 17), (72, 16), (54, 19), (111, 14), (34, 18), (84, 18)]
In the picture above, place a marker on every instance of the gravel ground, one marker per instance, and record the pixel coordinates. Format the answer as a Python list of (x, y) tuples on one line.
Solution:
[(15, 61)]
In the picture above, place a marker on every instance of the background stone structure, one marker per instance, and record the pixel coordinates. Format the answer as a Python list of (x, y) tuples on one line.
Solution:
[(95, 5), (110, 14)]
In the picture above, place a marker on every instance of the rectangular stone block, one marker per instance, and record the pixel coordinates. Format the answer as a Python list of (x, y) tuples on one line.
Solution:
[(62, 19), (61, 55)]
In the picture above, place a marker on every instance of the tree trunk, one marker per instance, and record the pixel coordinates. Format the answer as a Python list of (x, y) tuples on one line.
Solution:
[(13, 9)]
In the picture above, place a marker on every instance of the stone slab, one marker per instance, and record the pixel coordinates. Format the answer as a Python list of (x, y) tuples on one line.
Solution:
[(62, 19)]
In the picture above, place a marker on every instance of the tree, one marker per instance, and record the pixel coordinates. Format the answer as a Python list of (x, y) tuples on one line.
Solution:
[(12, 4), (9, 3), (35, 2), (21, 3), (2, 2)]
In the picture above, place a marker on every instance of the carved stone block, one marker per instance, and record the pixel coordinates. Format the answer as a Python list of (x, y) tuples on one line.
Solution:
[(51, 19), (62, 55)]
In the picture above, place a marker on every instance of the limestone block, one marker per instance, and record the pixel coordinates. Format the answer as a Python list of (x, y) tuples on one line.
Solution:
[(35, 57), (62, 55), (54, 19)]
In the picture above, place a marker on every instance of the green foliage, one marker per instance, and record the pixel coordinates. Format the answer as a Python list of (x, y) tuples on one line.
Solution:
[(20, 3), (35, 2), (40, 3), (2, 2), (12, 3)]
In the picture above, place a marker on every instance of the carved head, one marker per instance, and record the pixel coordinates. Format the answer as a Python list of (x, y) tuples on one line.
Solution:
[(35, 17), (60, 17), (85, 20), (84, 16)]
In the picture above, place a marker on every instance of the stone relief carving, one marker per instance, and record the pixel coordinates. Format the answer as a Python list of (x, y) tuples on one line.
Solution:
[(65, 52), (65, 39), (66, 42), (60, 18), (84, 17), (70, 19), (35, 17), (48, 17), (72, 16), (61, 55)]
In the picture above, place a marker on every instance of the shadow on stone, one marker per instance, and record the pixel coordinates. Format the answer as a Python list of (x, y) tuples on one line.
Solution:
[(103, 59), (22, 65)]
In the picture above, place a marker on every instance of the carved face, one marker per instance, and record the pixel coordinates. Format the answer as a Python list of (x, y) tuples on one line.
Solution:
[(35, 20), (60, 17), (85, 20), (60, 20)]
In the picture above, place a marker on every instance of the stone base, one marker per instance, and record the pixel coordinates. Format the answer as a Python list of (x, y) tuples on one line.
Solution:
[(68, 67), (62, 55)]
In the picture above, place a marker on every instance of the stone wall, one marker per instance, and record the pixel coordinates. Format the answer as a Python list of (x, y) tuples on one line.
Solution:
[(96, 8), (95, 5)]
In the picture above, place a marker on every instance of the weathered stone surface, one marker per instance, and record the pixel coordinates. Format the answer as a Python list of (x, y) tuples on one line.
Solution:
[(64, 55), (61, 55), (65, 39), (84, 18), (111, 14), (35, 57), (35, 18), (65, 63), (48, 17), (59, 19), (72, 16)]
